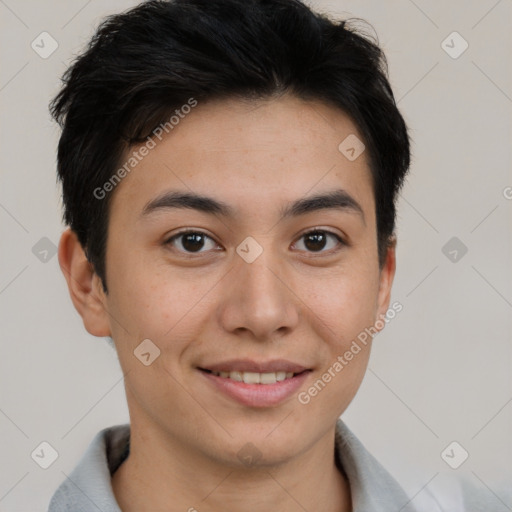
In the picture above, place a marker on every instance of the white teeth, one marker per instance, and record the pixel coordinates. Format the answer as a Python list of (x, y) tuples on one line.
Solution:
[(268, 378), (251, 378), (256, 378)]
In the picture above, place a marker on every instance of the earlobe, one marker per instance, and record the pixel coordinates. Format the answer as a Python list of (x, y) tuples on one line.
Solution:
[(386, 278), (84, 285)]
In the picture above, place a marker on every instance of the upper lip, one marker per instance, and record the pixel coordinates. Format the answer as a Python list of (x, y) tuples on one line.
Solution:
[(247, 365)]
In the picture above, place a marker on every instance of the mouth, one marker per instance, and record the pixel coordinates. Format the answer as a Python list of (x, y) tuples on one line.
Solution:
[(255, 389), (255, 377)]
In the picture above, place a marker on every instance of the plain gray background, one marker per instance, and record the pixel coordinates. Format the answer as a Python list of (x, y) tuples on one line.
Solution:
[(439, 372)]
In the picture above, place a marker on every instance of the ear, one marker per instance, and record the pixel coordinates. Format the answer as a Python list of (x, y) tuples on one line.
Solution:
[(387, 274), (85, 287)]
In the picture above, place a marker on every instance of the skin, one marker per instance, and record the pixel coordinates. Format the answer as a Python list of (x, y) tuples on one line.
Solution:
[(292, 302)]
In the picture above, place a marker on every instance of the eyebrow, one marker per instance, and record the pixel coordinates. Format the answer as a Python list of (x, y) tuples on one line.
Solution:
[(336, 199)]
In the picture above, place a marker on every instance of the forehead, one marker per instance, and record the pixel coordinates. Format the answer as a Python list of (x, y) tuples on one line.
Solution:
[(255, 153)]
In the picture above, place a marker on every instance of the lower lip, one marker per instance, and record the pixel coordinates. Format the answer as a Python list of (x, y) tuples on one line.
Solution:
[(257, 395)]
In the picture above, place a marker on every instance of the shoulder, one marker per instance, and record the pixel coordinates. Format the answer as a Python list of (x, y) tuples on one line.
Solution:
[(90, 480), (462, 493), (446, 491)]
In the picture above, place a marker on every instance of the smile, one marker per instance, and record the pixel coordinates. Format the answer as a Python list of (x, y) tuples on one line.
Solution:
[(253, 389), (254, 377)]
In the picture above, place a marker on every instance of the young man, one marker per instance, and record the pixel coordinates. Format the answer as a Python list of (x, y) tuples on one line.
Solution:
[(230, 170)]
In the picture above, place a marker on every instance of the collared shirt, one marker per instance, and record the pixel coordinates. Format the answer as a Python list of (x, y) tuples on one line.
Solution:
[(89, 489)]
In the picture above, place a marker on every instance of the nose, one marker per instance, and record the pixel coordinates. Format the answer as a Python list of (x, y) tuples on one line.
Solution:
[(260, 299)]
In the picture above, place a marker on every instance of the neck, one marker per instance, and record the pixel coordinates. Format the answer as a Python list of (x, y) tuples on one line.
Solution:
[(176, 479)]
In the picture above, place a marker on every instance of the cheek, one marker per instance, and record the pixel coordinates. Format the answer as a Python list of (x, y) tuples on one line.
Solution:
[(343, 315), (344, 303), (150, 301)]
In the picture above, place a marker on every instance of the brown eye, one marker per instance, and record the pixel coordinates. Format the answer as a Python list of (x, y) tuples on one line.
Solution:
[(191, 241), (318, 240)]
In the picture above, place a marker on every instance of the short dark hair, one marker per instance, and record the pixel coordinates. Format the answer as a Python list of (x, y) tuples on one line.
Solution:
[(143, 64)]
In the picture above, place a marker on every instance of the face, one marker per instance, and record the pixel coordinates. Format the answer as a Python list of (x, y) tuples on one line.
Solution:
[(257, 277)]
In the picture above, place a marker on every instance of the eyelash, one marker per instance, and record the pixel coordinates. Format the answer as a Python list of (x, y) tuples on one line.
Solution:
[(340, 240)]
